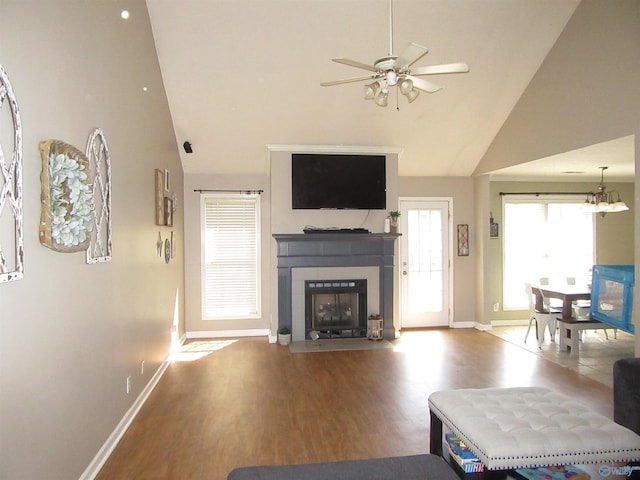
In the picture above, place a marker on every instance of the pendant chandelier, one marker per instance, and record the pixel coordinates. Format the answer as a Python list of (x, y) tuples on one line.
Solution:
[(601, 201)]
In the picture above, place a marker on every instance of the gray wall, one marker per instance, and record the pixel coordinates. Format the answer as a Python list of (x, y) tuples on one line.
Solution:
[(72, 332)]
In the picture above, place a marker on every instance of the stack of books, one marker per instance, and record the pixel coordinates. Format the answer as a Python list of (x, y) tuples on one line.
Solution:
[(461, 454), (560, 472)]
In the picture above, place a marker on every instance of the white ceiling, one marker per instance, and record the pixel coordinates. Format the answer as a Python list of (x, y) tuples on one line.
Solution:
[(579, 165), (244, 74)]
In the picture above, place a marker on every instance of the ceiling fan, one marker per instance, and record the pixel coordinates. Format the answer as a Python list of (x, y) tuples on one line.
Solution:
[(395, 70)]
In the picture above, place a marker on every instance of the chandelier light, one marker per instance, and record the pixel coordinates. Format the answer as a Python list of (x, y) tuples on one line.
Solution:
[(601, 201)]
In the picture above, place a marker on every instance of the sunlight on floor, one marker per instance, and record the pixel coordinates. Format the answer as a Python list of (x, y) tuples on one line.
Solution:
[(595, 358), (197, 349), (414, 342)]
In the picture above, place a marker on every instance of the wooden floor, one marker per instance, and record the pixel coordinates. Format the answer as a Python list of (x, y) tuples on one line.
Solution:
[(248, 402)]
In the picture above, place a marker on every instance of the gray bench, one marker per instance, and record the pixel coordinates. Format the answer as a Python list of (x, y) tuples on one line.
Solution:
[(570, 329), (415, 467)]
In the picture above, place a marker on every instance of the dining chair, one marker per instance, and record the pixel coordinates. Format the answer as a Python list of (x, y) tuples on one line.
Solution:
[(545, 318), (554, 303)]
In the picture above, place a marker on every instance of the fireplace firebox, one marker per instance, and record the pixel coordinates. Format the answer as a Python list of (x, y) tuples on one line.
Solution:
[(336, 308)]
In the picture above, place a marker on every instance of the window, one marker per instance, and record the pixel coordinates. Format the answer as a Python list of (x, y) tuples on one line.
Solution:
[(549, 237), (231, 253)]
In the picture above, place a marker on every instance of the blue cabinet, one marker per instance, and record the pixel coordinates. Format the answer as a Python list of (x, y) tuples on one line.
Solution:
[(612, 295)]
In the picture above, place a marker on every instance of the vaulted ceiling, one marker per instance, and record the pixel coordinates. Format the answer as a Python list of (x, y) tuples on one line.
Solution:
[(244, 74)]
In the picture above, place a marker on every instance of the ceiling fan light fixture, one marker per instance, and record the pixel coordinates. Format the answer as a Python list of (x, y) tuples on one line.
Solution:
[(382, 99), (370, 91), (412, 94), (392, 77), (406, 85), (395, 71)]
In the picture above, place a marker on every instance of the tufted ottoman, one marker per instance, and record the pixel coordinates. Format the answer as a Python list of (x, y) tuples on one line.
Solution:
[(510, 428)]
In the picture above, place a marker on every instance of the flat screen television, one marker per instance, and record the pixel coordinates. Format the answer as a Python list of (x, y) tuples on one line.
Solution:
[(338, 181)]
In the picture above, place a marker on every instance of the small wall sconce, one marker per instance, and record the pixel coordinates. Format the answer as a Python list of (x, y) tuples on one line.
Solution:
[(463, 240)]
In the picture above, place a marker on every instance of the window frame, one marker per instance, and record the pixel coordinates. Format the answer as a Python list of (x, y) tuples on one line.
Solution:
[(255, 197), (535, 199)]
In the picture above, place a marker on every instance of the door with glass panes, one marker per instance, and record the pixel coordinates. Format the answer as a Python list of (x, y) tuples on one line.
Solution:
[(424, 263)]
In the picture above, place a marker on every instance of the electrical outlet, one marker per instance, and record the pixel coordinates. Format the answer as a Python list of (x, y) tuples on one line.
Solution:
[(128, 383), (142, 367), (496, 307)]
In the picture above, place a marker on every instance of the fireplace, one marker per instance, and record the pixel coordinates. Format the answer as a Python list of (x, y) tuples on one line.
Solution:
[(325, 251), (336, 308)]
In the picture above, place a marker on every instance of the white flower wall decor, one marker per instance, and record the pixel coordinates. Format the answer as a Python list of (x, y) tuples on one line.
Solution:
[(11, 256), (66, 219)]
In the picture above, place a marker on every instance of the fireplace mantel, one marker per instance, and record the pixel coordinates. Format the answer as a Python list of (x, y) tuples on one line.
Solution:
[(317, 250)]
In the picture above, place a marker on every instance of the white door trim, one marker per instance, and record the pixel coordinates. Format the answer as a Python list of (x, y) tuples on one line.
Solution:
[(450, 296)]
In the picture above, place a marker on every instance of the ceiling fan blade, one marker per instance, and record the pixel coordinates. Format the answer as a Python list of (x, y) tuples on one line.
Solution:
[(444, 68), (348, 80), (410, 55), (424, 85), (354, 63)]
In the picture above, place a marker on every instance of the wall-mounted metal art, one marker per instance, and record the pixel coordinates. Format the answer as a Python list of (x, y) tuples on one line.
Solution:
[(97, 153), (11, 256), (463, 240)]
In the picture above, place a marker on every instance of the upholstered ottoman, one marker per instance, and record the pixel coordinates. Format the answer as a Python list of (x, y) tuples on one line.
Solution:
[(510, 428), (415, 467)]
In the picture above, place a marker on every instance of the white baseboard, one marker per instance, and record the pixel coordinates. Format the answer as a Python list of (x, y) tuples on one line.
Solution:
[(103, 454), (256, 332), (463, 325), (483, 327), (509, 323)]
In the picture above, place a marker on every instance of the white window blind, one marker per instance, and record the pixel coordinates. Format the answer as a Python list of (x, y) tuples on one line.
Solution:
[(544, 237), (231, 253)]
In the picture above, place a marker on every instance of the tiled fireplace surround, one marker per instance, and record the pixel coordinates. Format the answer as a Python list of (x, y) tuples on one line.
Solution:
[(345, 250)]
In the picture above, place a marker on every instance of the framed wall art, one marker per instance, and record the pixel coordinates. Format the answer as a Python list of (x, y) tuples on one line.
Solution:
[(494, 229), (159, 177)]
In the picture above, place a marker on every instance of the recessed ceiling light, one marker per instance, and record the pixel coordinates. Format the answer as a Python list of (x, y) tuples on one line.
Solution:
[(124, 14), (574, 172)]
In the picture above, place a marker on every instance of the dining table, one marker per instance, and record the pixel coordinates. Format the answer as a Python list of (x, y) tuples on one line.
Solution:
[(567, 293)]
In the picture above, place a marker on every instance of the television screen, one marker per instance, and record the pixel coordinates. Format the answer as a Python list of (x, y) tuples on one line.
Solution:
[(338, 181)]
